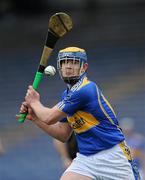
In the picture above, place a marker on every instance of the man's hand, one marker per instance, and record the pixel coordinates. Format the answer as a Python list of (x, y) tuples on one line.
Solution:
[(32, 96), (26, 108)]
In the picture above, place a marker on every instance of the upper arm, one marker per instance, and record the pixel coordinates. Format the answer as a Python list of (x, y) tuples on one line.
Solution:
[(72, 102)]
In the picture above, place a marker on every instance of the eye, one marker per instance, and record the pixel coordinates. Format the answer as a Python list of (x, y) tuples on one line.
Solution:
[(62, 62), (76, 62), (70, 61)]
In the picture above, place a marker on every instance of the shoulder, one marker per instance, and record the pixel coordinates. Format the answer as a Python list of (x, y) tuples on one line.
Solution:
[(83, 84), (88, 87), (86, 90)]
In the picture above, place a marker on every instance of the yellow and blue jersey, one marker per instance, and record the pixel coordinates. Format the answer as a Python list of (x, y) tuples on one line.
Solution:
[(91, 117)]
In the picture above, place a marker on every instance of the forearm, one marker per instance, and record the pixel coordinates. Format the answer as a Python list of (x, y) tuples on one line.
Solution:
[(55, 130), (47, 115), (40, 111)]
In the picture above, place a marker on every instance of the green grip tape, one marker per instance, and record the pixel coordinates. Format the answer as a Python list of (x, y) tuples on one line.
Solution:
[(36, 82), (22, 117)]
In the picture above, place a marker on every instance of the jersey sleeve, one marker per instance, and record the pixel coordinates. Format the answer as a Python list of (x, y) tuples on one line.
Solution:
[(72, 102), (64, 120)]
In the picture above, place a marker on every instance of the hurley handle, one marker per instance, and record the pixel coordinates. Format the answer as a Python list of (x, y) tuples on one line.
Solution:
[(36, 82)]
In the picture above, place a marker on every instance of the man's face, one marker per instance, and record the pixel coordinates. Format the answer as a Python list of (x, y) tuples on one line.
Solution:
[(70, 67)]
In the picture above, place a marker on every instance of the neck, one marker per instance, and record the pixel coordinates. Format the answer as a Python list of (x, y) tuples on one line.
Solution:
[(70, 85), (71, 82)]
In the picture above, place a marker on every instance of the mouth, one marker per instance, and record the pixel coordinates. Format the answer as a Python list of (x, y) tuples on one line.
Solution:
[(69, 75), (69, 72)]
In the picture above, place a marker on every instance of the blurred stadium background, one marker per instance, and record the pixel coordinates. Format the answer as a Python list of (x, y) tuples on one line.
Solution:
[(112, 32)]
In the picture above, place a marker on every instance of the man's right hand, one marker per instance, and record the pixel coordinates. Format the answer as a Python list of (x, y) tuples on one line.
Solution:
[(25, 108)]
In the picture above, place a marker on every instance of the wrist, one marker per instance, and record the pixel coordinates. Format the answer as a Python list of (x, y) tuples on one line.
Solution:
[(34, 104)]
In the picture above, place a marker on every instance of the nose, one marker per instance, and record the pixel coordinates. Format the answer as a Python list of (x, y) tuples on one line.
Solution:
[(69, 65)]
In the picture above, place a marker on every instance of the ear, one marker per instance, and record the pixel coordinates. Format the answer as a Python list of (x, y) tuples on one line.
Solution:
[(85, 67)]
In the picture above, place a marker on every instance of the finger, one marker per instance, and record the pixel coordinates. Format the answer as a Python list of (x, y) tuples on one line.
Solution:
[(17, 116), (29, 91), (29, 117), (23, 109), (30, 111), (30, 88), (25, 104)]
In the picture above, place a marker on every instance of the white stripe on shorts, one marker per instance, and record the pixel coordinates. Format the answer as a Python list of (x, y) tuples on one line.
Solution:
[(110, 164)]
